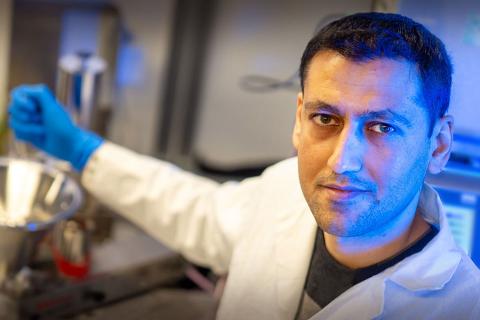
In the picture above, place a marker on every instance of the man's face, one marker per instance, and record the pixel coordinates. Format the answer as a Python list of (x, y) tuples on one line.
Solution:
[(361, 134)]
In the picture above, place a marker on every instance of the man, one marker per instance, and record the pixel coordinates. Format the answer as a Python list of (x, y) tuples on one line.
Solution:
[(370, 121)]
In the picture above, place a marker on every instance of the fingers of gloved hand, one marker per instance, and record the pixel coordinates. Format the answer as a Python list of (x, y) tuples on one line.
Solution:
[(52, 115), (36, 140), (21, 115), (21, 101), (43, 96), (39, 95), (28, 133), (24, 129)]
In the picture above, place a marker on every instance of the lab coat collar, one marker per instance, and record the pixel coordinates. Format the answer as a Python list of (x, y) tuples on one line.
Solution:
[(440, 257), (295, 237)]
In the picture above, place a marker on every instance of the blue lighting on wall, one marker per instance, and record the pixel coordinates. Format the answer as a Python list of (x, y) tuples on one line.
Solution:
[(80, 31)]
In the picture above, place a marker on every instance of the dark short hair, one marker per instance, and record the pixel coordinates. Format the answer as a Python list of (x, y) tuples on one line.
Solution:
[(368, 36)]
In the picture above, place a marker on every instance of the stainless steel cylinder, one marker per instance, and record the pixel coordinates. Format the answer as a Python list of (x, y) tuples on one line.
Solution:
[(78, 85)]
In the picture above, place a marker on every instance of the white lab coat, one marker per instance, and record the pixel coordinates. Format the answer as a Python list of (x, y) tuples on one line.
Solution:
[(261, 233)]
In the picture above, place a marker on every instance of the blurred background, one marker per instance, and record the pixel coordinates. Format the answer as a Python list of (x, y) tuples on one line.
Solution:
[(211, 85)]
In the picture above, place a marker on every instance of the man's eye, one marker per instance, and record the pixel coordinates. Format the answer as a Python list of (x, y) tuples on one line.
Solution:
[(326, 120), (382, 128)]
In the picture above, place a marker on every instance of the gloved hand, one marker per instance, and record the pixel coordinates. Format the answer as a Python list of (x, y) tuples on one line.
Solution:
[(37, 117)]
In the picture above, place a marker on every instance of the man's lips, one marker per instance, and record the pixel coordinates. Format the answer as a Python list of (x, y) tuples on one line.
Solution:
[(343, 192), (344, 188)]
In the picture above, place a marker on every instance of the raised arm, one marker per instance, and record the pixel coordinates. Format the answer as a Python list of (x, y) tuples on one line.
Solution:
[(195, 216)]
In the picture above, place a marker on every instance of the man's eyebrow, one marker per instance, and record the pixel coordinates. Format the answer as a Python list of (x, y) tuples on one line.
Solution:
[(320, 105), (382, 114), (388, 114)]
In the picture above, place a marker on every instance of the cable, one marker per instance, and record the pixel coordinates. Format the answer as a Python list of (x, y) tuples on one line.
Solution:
[(265, 84)]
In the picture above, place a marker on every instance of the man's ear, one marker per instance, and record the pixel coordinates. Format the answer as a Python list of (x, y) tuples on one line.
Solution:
[(298, 117), (442, 139)]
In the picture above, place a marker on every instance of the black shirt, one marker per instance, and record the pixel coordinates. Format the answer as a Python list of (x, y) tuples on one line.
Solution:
[(327, 278)]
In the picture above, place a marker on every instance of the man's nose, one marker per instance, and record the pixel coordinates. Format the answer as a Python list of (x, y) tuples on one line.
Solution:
[(347, 152)]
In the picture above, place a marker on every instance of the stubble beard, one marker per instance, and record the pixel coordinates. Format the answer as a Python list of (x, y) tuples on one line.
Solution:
[(346, 221)]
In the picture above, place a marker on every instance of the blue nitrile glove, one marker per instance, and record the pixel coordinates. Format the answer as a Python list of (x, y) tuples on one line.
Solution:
[(37, 117)]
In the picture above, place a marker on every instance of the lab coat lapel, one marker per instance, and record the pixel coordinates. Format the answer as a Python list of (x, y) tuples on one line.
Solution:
[(294, 240), (440, 258)]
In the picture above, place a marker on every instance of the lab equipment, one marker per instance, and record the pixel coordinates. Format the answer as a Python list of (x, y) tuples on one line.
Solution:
[(33, 197), (78, 83), (459, 188)]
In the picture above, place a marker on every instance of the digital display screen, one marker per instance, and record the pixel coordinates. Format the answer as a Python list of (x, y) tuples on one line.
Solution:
[(461, 221)]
